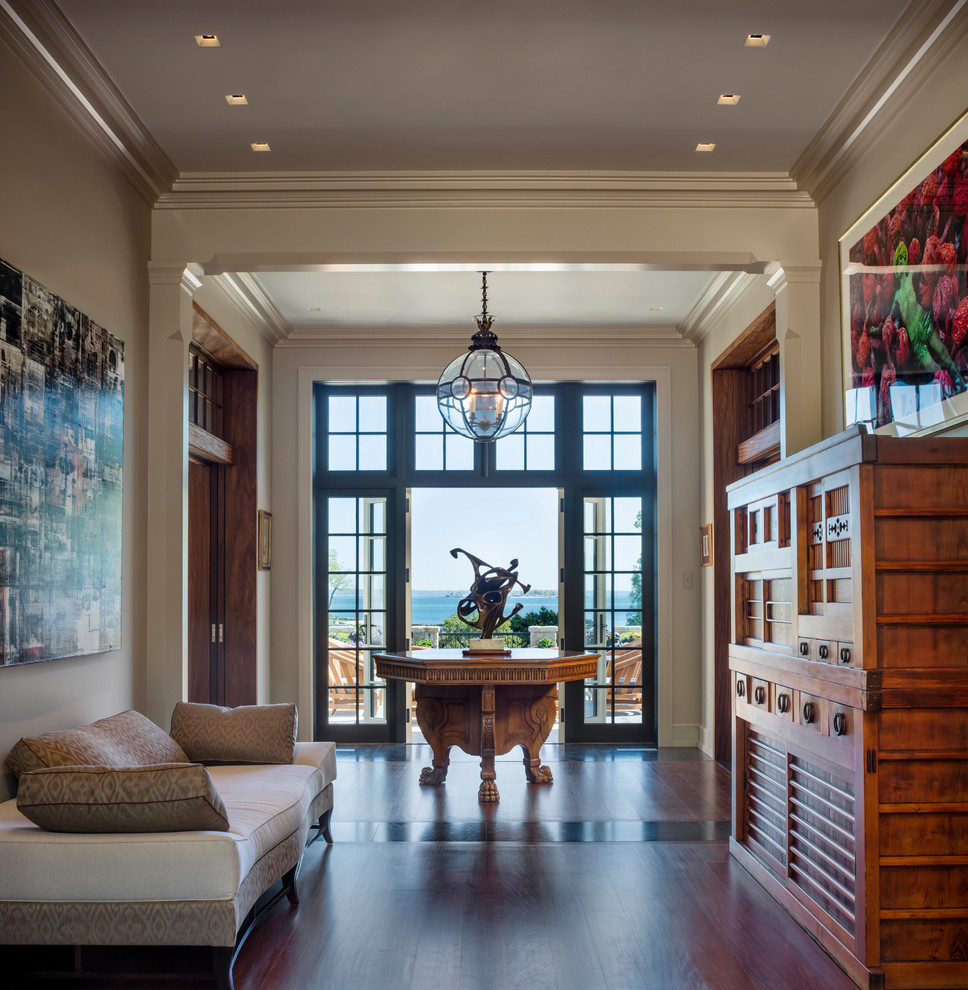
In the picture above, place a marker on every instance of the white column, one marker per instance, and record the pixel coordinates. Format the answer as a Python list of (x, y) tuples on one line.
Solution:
[(172, 287), (796, 286)]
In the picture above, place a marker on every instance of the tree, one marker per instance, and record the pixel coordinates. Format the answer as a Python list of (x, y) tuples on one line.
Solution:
[(338, 579), (543, 617), (635, 595)]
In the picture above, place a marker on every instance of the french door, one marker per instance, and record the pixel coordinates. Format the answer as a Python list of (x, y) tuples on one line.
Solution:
[(595, 444)]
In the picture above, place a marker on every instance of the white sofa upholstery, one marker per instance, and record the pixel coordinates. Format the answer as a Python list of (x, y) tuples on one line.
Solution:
[(167, 888)]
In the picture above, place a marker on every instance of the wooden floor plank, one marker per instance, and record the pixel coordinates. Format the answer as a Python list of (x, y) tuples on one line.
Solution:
[(611, 878)]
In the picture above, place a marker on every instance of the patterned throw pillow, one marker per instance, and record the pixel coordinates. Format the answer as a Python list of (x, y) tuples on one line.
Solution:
[(249, 734), (170, 797), (125, 740)]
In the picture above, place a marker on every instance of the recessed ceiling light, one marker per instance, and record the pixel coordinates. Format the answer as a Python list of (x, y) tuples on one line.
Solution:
[(654, 309), (313, 309), (705, 146), (207, 41), (260, 146), (725, 99), (236, 99), (756, 41)]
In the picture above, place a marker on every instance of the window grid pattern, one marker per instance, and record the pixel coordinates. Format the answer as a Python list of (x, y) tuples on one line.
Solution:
[(613, 568), (205, 394), (357, 433), (532, 447), (437, 446), (612, 433), (357, 576)]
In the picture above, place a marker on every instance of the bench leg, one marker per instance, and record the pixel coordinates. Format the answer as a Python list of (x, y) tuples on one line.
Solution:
[(289, 886), (324, 826), (321, 828)]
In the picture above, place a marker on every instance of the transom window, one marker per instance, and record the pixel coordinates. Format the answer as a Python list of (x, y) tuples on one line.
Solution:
[(357, 433), (611, 433)]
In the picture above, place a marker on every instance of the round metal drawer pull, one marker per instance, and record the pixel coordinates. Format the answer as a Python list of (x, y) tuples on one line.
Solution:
[(760, 695), (809, 711), (783, 702), (844, 655), (824, 651), (840, 724), (740, 688), (804, 648)]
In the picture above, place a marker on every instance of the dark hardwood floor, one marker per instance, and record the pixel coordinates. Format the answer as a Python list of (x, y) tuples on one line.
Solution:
[(614, 877)]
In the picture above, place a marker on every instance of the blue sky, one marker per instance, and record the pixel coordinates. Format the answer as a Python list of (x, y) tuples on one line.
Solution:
[(495, 524)]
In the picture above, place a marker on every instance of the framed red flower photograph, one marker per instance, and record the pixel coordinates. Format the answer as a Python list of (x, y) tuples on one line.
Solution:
[(905, 297)]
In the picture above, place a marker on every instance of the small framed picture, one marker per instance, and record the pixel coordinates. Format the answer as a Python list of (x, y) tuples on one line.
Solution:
[(265, 540), (706, 545)]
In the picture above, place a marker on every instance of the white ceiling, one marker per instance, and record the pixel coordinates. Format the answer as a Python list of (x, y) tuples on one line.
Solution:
[(511, 85), (364, 299), (456, 84)]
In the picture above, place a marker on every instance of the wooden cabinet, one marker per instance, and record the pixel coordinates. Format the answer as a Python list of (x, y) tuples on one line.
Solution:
[(849, 673)]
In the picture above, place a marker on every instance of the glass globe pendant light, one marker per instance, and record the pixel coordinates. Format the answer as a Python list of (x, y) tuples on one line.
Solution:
[(484, 394)]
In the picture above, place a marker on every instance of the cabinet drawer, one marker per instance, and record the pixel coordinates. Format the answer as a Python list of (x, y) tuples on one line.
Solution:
[(840, 722), (845, 655), (809, 711), (741, 690), (760, 694), (781, 704)]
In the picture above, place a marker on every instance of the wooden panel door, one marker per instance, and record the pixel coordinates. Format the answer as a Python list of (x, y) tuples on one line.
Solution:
[(205, 569)]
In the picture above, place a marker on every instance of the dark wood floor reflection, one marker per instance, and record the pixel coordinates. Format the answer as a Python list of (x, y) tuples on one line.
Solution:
[(614, 877)]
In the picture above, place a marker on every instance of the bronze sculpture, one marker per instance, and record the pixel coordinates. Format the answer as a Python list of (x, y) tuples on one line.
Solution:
[(488, 594)]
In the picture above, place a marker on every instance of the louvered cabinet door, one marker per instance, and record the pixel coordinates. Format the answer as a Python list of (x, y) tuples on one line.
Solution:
[(799, 814)]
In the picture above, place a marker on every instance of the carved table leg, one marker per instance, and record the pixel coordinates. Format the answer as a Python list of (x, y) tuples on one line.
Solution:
[(431, 717), (533, 770), (488, 790)]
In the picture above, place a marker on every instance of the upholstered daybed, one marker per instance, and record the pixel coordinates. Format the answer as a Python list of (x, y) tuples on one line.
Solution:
[(240, 824)]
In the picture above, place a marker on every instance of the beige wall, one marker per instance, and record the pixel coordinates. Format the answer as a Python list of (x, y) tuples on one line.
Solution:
[(72, 223), (900, 141)]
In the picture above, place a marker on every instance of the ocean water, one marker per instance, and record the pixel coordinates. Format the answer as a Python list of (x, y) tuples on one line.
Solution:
[(430, 608)]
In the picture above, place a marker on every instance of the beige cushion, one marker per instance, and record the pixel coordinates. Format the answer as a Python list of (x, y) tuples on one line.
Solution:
[(169, 797), (125, 740), (250, 734)]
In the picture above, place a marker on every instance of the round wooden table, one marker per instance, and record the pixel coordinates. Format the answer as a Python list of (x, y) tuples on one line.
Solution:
[(486, 704)]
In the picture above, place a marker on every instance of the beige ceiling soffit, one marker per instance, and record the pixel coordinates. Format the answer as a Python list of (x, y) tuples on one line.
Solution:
[(922, 38), (247, 294), (377, 338), (572, 189), (373, 261), (48, 45), (721, 294)]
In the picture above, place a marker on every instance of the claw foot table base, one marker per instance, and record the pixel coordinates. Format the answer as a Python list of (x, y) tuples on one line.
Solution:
[(486, 706)]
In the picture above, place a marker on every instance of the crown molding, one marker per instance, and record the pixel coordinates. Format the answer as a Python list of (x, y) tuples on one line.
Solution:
[(44, 40), (377, 338), (720, 295), (922, 37), (246, 293), (469, 190)]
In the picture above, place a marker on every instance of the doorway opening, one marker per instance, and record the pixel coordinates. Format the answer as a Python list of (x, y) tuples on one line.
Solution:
[(572, 497)]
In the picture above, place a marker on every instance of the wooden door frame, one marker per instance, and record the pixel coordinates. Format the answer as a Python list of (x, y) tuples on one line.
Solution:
[(236, 454), (728, 373)]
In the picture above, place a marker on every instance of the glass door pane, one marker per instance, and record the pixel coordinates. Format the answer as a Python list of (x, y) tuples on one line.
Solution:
[(357, 609), (620, 693)]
